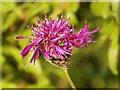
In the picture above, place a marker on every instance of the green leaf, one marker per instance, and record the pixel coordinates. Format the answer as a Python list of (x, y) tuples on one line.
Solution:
[(43, 81), (72, 16), (12, 51), (45, 7), (105, 31), (6, 84), (56, 12), (113, 50), (101, 9), (72, 6), (109, 31), (33, 68), (106, 28), (15, 53), (36, 8), (3, 59), (8, 6), (11, 18), (114, 6)]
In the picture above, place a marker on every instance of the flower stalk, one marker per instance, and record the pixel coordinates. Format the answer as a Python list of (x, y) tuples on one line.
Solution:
[(69, 79)]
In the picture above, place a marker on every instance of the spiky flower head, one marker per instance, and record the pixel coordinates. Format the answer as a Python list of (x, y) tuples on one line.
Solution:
[(55, 39)]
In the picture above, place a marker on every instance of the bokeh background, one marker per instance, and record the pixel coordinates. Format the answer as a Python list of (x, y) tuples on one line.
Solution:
[(92, 67)]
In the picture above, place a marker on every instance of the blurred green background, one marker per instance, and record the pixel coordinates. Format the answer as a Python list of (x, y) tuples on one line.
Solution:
[(92, 67)]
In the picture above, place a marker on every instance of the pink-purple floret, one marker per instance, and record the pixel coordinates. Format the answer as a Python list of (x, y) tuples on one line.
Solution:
[(55, 39)]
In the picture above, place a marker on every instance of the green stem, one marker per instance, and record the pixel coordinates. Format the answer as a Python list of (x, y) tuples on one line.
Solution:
[(69, 79)]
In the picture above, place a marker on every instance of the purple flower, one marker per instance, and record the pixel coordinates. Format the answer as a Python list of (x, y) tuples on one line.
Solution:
[(55, 39)]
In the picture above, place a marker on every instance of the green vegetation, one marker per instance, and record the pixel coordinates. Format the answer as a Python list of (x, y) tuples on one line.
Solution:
[(93, 67)]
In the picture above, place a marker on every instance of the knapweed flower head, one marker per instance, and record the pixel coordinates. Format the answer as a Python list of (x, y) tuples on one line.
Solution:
[(55, 39)]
